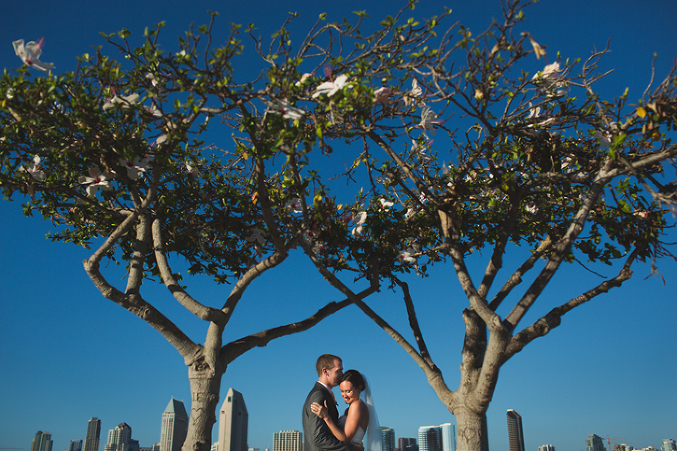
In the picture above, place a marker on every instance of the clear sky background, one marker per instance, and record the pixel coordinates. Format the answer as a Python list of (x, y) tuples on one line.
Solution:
[(68, 354)]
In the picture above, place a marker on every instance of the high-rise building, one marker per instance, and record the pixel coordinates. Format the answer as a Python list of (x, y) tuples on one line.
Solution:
[(119, 438), (430, 438), (448, 437), (233, 423), (387, 439), (42, 441), (93, 433), (669, 445), (515, 433), (436, 438), (288, 441), (174, 426), (546, 448), (406, 444), (594, 443), (75, 445)]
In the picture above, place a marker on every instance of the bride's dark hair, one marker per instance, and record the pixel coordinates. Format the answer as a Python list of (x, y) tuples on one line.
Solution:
[(355, 378)]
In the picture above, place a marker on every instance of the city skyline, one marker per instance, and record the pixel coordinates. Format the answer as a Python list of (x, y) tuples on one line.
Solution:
[(434, 438), (605, 370)]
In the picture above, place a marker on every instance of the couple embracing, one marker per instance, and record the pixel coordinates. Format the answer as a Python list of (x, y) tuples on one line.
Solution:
[(323, 429)]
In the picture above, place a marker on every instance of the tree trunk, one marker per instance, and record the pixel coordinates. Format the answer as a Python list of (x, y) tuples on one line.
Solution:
[(205, 385), (472, 430)]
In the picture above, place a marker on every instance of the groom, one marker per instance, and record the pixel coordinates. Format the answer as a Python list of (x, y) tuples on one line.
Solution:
[(317, 435)]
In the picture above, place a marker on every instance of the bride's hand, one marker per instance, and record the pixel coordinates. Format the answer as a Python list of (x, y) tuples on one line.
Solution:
[(320, 411)]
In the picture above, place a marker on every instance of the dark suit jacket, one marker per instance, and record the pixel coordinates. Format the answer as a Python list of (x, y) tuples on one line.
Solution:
[(316, 434)]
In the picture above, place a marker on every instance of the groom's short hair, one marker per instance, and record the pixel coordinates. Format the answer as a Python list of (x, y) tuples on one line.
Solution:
[(325, 361)]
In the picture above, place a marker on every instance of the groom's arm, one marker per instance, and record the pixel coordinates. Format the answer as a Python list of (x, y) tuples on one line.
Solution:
[(322, 437)]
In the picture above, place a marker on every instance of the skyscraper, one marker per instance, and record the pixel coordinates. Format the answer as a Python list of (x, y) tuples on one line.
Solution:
[(515, 434), (594, 443), (233, 423), (42, 441), (669, 445), (93, 433), (174, 426), (406, 444), (119, 438), (429, 438), (387, 439), (546, 448), (448, 437), (75, 445), (287, 441)]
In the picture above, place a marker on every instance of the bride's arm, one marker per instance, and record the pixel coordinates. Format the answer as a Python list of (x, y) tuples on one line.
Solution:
[(357, 411), (321, 411)]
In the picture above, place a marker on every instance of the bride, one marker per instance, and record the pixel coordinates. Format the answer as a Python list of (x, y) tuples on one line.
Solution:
[(360, 416)]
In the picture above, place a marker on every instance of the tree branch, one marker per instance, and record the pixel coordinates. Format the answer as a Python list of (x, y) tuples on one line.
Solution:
[(196, 308), (554, 317)]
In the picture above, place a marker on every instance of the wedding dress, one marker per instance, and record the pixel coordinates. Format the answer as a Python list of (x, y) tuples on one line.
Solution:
[(359, 434)]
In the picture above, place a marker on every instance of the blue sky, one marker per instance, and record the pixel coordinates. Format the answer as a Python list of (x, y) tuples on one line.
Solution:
[(68, 354)]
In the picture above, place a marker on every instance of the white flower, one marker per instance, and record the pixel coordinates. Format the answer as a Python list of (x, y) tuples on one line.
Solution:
[(152, 79), (96, 181), (126, 101), (35, 169), (359, 220), (295, 205), (416, 91), (30, 54), (408, 255), (382, 95), (548, 77), (331, 87), (550, 71), (284, 108), (134, 167), (385, 205), (605, 136), (428, 118), (531, 208), (192, 170), (303, 79), (535, 113)]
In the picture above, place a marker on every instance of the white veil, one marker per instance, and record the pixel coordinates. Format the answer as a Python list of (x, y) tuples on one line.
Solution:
[(373, 442)]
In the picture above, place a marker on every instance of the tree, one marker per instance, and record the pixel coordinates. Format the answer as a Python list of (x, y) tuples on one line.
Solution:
[(116, 154), (544, 164)]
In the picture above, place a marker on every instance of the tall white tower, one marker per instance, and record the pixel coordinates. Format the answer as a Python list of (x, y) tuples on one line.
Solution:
[(174, 426), (42, 441), (93, 433), (233, 423), (119, 438)]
